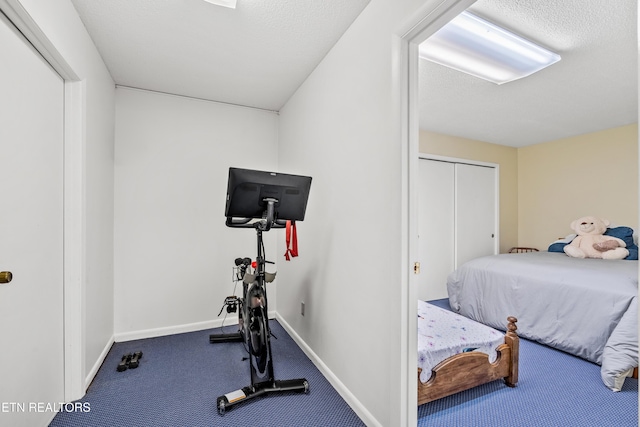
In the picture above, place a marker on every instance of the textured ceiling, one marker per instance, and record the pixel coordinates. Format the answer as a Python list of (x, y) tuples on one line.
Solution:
[(255, 55), (594, 87), (258, 55)]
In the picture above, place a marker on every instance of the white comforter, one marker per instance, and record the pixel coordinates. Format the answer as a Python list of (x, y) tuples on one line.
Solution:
[(586, 307)]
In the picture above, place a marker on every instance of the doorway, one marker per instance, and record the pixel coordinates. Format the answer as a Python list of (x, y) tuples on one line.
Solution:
[(417, 28)]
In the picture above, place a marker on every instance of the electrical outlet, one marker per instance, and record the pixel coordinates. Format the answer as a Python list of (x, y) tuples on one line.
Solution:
[(302, 307)]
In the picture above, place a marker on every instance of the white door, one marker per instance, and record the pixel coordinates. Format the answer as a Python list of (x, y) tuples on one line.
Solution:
[(475, 212), (31, 214), (435, 227)]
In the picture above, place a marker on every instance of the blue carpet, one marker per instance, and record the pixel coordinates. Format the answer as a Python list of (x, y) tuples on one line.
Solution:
[(554, 389), (180, 377)]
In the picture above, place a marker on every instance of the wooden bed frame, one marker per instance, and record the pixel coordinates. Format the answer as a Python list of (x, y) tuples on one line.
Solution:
[(467, 370)]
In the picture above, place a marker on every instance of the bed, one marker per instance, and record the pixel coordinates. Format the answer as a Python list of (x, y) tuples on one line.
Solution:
[(586, 307), (456, 353)]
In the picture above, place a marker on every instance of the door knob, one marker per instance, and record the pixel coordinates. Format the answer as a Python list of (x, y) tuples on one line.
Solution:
[(5, 276)]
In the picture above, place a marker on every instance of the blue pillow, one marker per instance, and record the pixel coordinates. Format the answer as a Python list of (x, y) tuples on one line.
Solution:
[(623, 233), (557, 247)]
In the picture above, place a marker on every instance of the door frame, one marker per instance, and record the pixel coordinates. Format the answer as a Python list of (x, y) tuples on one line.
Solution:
[(415, 29), (496, 186), (74, 211)]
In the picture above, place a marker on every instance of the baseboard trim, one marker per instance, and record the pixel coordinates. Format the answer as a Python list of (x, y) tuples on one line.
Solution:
[(346, 394), (96, 366), (179, 329)]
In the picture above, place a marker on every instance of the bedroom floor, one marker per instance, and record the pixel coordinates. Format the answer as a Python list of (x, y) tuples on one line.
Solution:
[(554, 389)]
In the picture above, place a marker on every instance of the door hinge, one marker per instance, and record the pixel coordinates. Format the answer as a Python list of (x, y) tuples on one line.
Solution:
[(416, 268)]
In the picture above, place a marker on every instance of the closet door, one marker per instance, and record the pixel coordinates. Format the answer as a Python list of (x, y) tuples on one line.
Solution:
[(475, 212), (435, 227), (31, 239)]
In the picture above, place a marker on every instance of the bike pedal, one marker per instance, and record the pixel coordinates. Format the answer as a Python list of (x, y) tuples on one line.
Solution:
[(124, 363)]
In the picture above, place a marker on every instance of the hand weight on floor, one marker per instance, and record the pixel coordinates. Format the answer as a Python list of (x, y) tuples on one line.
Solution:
[(129, 361)]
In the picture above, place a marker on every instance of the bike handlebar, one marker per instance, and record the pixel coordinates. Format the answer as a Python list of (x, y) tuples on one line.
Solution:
[(246, 223), (269, 221)]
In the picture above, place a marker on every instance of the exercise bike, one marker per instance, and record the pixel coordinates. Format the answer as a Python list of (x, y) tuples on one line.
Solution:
[(252, 307)]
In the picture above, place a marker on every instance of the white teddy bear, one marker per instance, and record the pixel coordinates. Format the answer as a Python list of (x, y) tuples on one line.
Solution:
[(591, 243)]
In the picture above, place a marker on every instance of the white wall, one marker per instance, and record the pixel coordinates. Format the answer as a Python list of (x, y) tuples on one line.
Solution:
[(60, 23), (173, 253), (340, 128), (99, 193)]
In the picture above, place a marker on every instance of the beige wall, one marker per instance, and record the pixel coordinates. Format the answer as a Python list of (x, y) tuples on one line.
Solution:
[(506, 157), (559, 181), (544, 187)]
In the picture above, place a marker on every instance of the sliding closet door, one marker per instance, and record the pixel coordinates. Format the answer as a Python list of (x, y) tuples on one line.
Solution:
[(435, 227), (475, 212), (457, 220)]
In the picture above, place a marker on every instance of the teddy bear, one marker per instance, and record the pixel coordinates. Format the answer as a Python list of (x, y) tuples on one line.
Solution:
[(591, 243)]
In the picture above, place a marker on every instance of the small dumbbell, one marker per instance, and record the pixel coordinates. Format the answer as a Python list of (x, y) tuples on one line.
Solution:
[(135, 360), (124, 363)]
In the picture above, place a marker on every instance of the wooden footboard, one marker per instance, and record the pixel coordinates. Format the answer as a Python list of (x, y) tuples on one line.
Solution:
[(466, 370)]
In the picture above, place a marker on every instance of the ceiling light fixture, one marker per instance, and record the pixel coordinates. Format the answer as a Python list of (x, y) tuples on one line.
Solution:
[(226, 3), (482, 49)]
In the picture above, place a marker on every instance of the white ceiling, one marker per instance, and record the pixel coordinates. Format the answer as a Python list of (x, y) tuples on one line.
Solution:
[(258, 55), (255, 55)]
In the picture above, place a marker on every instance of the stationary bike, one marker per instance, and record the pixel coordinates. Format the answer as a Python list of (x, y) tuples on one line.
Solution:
[(253, 321)]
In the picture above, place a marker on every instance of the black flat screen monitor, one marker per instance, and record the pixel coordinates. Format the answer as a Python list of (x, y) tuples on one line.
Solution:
[(247, 190)]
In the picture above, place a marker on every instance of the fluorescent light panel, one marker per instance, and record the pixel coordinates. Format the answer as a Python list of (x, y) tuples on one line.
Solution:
[(226, 3), (482, 49)]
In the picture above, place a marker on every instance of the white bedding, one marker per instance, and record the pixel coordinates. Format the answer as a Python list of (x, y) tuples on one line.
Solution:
[(442, 334), (586, 307)]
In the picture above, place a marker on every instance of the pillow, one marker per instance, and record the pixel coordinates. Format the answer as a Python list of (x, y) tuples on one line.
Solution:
[(625, 234), (622, 233), (558, 245)]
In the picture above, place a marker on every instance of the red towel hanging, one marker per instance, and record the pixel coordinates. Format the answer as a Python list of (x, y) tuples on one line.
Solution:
[(292, 241)]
